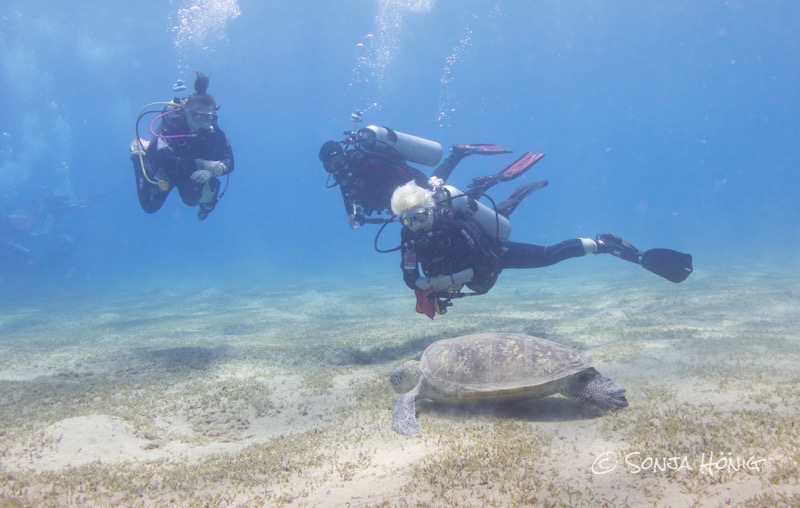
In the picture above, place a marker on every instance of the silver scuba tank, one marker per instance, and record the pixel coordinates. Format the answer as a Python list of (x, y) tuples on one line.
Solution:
[(411, 148), (487, 217)]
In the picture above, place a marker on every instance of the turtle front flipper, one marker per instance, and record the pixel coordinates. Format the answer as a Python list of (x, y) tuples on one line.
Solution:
[(404, 414), (591, 386)]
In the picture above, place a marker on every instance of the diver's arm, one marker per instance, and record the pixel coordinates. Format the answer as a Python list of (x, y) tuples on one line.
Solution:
[(410, 277), (483, 257), (226, 154), (165, 159), (216, 161), (355, 219), (350, 210), (408, 259)]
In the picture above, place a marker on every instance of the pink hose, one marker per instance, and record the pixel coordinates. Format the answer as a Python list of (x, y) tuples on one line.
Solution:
[(159, 117)]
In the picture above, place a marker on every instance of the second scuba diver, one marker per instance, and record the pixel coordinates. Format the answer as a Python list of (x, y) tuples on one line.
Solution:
[(371, 163), (188, 151)]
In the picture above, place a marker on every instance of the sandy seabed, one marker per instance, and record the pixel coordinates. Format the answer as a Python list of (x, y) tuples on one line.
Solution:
[(280, 397)]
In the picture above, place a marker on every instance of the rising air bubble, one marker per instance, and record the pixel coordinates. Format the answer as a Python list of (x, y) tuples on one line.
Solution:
[(200, 24)]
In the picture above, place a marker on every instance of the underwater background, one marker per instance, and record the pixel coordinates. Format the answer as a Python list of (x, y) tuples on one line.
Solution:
[(157, 360), (672, 124)]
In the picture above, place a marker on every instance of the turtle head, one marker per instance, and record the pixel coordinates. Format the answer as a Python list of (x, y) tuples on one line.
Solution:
[(593, 387), (405, 377)]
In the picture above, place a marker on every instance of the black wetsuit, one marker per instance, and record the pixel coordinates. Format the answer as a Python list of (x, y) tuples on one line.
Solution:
[(369, 180), (174, 161), (457, 242)]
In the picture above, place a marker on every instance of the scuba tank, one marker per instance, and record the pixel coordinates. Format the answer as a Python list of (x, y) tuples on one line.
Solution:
[(411, 148), (496, 224)]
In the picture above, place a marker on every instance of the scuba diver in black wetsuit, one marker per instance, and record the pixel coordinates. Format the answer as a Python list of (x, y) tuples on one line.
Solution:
[(188, 151), (368, 165), (458, 241)]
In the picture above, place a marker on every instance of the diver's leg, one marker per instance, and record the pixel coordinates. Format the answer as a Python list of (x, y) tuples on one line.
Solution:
[(523, 255), (447, 166), (205, 196), (190, 192), (151, 197)]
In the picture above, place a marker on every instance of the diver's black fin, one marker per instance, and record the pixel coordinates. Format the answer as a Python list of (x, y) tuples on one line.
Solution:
[(481, 184), (523, 191), (667, 263), (478, 148)]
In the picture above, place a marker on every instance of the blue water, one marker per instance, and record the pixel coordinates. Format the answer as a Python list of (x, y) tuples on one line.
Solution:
[(674, 124)]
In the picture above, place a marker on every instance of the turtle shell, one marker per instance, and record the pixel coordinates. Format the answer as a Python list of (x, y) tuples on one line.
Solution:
[(497, 365)]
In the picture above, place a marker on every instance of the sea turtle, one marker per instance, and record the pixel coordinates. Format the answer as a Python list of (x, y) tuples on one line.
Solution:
[(497, 367)]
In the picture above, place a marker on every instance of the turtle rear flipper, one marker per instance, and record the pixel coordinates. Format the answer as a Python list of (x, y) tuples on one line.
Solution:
[(592, 387), (404, 414)]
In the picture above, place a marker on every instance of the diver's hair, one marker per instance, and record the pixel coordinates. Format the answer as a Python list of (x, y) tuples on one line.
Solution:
[(200, 97), (410, 196), (200, 82)]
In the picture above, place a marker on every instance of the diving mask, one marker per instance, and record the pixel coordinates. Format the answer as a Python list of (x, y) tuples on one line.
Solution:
[(416, 219)]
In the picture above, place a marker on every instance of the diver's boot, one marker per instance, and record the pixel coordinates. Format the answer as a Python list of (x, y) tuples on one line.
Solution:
[(616, 246)]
